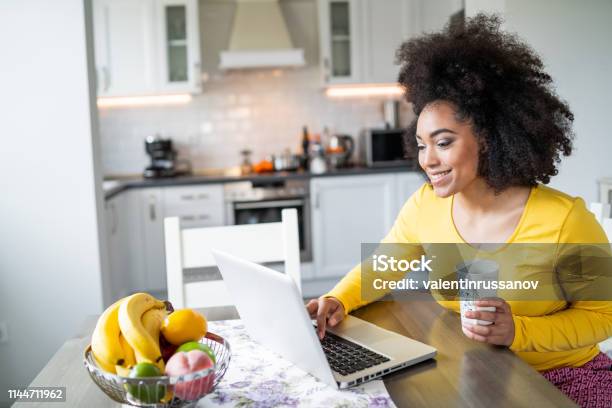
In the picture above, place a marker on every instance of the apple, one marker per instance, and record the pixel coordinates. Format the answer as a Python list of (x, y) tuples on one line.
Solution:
[(195, 345), (149, 394), (182, 363)]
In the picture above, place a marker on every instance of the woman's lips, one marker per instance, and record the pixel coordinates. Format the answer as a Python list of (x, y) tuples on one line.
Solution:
[(439, 178)]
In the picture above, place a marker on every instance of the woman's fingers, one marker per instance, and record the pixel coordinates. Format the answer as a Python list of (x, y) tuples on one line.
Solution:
[(322, 314), (488, 316), (494, 302), (337, 314), (311, 308)]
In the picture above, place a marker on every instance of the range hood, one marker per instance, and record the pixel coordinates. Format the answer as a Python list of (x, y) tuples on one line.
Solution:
[(260, 38)]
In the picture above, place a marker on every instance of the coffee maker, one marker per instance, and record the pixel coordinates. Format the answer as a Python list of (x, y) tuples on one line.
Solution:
[(163, 158)]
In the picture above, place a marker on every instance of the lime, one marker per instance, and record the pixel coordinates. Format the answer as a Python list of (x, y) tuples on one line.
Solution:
[(149, 394)]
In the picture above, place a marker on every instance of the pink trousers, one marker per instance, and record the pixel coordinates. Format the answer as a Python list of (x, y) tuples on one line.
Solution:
[(589, 386)]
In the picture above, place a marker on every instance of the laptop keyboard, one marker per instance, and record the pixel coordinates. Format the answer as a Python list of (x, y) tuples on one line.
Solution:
[(346, 357)]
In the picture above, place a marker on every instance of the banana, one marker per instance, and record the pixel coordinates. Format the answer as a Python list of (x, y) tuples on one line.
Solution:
[(131, 312), (152, 320), (122, 371), (130, 358), (105, 343)]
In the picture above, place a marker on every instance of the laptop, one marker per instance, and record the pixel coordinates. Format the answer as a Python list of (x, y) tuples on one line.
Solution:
[(272, 309)]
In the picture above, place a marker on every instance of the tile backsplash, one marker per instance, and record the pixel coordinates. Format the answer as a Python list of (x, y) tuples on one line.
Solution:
[(260, 110)]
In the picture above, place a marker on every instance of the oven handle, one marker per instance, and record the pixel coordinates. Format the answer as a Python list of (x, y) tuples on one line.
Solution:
[(268, 204)]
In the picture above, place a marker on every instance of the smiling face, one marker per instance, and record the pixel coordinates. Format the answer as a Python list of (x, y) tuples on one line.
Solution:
[(448, 149)]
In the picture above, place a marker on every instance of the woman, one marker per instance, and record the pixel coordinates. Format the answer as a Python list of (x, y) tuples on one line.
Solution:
[(489, 134)]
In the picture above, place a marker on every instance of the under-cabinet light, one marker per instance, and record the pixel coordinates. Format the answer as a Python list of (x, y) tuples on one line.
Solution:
[(112, 102), (341, 91)]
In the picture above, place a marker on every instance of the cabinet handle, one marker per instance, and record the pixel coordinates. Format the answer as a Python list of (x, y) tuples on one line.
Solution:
[(187, 197), (203, 196), (187, 218), (204, 217), (152, 212), (317, 200)]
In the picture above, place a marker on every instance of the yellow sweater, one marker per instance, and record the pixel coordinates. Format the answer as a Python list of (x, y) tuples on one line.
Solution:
[(548, 334)]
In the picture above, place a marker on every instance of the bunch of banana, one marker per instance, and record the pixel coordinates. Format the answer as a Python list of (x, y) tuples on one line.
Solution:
[(128, 333), (143, 340)]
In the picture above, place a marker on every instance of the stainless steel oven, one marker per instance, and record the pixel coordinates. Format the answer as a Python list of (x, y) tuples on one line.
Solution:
[(254, 202)]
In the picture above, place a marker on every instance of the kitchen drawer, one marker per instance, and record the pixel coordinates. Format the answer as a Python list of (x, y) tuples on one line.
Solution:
[(200, 206), (193, 195)]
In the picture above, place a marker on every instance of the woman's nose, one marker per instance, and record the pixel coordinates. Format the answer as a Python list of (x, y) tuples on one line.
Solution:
[(429, 158)]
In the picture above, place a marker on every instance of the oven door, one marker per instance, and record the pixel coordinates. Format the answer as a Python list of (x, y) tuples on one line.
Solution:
[(255, 212)]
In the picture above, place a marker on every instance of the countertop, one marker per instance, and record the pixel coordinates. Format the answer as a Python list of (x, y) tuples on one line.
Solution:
[(113, 185)]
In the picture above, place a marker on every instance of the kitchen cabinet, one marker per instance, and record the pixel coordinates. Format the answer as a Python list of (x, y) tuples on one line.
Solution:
[(339, 33), (359, 38), (196, 206), (136, 220), (152, 229), (178, 45), (124, 244), (385, 25), (123, 275), (113, 245), (145, 47), (405, 185), (348, 211)]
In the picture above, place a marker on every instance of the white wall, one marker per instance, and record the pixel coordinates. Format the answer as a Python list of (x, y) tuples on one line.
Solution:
[(573, 39), (50, 272)]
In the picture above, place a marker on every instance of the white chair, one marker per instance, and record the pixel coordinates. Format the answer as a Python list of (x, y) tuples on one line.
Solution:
[(602, 213), (190, 248)]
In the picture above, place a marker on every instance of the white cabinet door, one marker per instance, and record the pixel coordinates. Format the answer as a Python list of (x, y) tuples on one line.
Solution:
[(125, 47), (346, 212), (340, 43), (178, 42), (151, 205), (359, 38), (405, 185), (134, 242), (386, 24), (117, 239), (146, 47)]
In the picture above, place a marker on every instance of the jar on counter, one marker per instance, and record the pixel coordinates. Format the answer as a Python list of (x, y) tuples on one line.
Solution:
[(317, 163)]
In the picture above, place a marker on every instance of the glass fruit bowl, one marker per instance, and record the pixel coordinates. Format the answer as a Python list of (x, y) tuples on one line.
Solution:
[(163, 391)]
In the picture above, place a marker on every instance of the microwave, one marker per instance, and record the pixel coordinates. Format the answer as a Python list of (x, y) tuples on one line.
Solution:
[(383, 148)]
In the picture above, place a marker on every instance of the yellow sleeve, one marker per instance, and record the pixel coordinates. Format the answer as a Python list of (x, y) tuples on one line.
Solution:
[(584, 322), (404, 230)]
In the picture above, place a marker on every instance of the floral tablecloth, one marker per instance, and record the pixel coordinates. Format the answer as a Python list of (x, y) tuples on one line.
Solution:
[(259, 378)]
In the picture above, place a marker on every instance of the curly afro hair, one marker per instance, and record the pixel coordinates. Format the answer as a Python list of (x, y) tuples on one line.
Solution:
[(498, 83)]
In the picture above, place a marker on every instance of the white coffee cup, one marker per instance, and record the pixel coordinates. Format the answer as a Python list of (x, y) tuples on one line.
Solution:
[(476, 270)]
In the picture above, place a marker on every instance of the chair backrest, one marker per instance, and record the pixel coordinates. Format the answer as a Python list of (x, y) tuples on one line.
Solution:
[(602, 214), (191, 248)]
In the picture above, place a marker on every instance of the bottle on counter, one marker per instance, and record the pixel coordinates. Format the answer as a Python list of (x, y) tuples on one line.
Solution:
[(246, 167), (305, 147)]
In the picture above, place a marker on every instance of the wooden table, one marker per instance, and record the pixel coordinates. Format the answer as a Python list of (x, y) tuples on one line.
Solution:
[(464, 373)]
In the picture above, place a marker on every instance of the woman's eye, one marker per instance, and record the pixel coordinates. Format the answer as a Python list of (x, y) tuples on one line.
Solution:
[(444, 143), (421, 147)]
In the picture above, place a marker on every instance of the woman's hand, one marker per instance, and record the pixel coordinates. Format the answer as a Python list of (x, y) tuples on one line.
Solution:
[(327, 310), (501, 332)]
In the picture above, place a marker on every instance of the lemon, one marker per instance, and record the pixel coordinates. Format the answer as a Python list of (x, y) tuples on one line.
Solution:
[(184, 325)]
